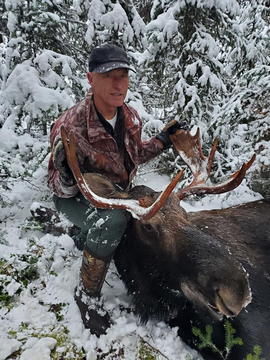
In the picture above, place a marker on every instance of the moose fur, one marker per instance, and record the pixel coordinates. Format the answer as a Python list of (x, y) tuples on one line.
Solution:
[(178, 267), (174, 264)]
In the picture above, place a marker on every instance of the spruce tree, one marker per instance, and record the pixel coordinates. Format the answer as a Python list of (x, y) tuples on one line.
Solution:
[(37, 73), (201, 58)]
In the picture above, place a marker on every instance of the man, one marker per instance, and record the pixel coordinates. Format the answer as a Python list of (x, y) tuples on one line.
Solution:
[(108, 141)]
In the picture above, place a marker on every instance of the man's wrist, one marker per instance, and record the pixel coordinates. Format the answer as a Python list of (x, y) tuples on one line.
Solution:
[(160, 144), (164, 138)]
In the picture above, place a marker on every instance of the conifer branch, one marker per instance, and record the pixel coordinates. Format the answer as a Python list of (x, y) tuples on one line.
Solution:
[(257, 353), (229, 338)]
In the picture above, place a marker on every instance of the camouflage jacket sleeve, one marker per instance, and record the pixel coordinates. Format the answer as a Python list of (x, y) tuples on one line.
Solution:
[(145, 149), (54, 179)]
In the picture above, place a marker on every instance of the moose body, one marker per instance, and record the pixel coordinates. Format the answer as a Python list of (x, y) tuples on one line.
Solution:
[(158, 257), (195, 269)]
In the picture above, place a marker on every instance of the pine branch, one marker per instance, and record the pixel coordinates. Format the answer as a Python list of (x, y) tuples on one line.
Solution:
[(206, 339), (257, 352), (229, 338)]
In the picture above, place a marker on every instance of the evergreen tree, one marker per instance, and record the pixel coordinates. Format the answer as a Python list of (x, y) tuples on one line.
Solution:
[(49, 43), (37, 73), (201, 61), (113, 21), (201, 58), (242, 122), (184, 56)]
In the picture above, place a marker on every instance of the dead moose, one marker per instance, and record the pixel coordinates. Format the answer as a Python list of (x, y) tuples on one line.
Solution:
[(192, 269)]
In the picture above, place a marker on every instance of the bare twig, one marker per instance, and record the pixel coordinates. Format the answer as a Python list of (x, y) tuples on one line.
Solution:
[(156, 350)]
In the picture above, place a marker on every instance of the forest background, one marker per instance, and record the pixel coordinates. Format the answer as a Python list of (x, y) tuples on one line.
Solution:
[(203, 61), (206, 62)]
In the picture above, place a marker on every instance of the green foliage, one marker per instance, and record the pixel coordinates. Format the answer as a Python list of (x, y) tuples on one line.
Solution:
[(146, 352), (257, 353), (56, 309), (230, 342), (4, 297), (53, 273), (21, 270), (206, 338), (229, 336), (33, 225), (60, 334), (28, 270)]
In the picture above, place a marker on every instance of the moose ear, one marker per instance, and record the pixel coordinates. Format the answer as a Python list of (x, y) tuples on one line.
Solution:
[(103, 187)]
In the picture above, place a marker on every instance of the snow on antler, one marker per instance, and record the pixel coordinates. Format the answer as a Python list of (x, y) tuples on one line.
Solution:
[(190, 150), (133, 206)]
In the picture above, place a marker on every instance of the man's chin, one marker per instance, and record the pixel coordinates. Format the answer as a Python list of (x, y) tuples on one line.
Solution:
[(117, 102)]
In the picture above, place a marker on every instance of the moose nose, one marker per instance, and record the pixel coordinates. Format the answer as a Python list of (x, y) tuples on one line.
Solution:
[(231, 303)]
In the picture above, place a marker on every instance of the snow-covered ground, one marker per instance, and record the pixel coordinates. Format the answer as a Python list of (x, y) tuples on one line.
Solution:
[(41, 320)]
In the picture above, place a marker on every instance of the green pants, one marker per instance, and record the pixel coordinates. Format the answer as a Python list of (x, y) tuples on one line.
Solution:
[(102, 228)]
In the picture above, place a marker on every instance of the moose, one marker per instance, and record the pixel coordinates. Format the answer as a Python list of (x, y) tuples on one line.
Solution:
[(192, 269)]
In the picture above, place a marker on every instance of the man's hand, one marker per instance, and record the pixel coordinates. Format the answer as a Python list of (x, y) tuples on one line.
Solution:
[(61, 164), (170, 129)]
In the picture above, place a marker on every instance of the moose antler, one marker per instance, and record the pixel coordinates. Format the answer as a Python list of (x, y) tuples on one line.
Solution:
[(190, 150), (135, 207)]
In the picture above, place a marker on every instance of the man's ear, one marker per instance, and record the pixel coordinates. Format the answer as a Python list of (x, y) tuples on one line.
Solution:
[(90, 78)]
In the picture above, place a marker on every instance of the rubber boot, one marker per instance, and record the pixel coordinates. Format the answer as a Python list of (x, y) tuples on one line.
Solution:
[(87, 293)]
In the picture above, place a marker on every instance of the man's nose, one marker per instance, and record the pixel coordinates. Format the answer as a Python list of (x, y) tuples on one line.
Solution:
[(117, 81)]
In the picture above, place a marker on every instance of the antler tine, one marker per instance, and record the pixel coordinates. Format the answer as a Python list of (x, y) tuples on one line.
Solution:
[(211, 156), (225, 186), (248, 165), (133, 206), (153, 209), (189, 148)]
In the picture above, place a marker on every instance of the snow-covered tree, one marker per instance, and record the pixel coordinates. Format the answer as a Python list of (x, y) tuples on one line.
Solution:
[(115, 21), (184, 57), (201, 58), (47, 48), (202, 61), (37, 73), (242, 123)]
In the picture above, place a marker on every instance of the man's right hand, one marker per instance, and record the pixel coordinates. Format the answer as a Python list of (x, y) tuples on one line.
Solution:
[(61, 164)]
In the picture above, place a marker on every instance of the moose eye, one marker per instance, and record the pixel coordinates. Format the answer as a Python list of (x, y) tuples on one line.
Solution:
[(149, 228)]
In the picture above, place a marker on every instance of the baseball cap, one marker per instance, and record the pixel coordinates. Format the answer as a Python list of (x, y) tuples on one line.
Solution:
[(108, 57)]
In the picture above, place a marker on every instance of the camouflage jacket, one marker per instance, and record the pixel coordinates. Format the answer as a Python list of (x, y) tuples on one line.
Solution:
[(97, 149)]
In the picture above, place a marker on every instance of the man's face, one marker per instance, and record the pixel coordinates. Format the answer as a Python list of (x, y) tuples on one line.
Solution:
[(110, 88)]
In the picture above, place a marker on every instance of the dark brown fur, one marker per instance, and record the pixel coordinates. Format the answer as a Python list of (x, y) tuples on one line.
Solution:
[(158, 256)]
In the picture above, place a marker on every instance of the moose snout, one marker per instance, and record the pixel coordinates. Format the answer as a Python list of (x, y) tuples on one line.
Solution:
[(220, 297), (230, 303)]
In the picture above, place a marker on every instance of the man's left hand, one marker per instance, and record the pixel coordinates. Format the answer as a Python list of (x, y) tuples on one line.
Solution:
[(170, 129)]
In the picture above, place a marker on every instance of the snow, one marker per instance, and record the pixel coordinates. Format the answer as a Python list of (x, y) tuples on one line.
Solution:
[(8, 346), (112, 16), (33, 326), (42, 318), (12, 21), (38, 349)]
